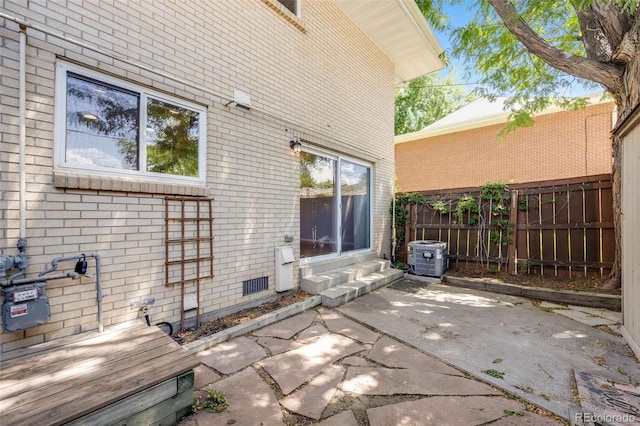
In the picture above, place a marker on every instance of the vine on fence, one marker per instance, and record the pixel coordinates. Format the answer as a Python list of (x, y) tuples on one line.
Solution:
[(466, 210)]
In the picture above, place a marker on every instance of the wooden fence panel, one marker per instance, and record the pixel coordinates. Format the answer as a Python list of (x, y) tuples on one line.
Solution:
[(558, 227)]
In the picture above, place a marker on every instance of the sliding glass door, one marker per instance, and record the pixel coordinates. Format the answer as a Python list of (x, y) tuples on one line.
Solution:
[(356, 205), (335, 205)]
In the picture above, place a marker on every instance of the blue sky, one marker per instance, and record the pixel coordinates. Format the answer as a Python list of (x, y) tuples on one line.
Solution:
[(459, 15)]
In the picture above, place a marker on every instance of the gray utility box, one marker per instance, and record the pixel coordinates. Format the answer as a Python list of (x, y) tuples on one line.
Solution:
[(427, 257), (24, 306)]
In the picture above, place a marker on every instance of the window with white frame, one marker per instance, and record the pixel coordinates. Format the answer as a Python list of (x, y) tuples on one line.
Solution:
[(113, 128)]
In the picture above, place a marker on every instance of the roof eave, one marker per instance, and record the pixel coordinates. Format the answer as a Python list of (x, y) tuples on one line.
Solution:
[(400, 31)]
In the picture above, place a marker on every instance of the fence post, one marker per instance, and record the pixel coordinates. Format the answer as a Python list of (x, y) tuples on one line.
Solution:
[(512, 266)]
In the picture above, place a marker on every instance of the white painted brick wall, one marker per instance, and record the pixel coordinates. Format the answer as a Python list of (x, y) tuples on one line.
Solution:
[(328, 83)]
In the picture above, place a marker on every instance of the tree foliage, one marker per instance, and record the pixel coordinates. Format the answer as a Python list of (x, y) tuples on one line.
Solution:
[(534, 50), (425, 100)]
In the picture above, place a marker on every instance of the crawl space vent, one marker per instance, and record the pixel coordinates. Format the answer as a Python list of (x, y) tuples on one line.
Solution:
[(255, 285)]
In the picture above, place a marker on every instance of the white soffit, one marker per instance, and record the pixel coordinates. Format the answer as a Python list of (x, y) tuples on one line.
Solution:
[(479, 113), (398, 28)]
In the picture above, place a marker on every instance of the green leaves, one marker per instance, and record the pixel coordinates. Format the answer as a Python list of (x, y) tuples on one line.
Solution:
[(425, 100)]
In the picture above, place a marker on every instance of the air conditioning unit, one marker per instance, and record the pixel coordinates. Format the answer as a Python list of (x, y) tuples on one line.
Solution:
[(427, 257)]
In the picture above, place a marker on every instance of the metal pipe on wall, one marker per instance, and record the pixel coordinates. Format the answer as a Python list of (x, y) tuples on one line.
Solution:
[(99, 295)]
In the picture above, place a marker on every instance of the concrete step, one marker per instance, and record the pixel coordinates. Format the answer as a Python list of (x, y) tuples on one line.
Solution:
[(314, 284), (342, 293), (318, 268)]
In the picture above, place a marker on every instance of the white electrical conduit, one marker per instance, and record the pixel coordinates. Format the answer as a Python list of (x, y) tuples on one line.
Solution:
[(22, 130)]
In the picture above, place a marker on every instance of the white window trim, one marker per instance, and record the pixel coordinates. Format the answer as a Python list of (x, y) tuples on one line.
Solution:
[(338, 158), (60, 104)]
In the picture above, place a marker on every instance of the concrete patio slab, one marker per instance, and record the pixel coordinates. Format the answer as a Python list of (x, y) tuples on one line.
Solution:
[(341, 325), (346, 418), (550, 305), (391, 353), (443, 411), (392, 381), (472, 328), (233, 355), (585, 318), (311, 399), (604, 313), (289, 327), (277, 346), (251, 402), (293, 368)]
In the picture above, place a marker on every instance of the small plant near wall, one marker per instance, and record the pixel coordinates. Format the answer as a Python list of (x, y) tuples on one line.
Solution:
[(214, 402)]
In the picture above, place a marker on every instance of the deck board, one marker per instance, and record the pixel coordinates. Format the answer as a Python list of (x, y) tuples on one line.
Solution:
[(61, 383)]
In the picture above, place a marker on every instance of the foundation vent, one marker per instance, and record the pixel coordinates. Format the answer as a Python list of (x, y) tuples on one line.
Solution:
[(255, 285)]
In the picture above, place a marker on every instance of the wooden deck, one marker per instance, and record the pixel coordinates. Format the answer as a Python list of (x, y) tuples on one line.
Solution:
[(63, 380)]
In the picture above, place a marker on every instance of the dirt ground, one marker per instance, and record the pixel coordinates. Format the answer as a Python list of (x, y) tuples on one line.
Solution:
[(212, 327), (576, 282)]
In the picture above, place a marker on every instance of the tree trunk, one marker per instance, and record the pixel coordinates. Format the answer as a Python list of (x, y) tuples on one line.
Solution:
[(614, 280)]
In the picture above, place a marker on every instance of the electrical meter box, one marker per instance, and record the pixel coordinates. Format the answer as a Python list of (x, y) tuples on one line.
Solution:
[(427, 257), (25, 306)]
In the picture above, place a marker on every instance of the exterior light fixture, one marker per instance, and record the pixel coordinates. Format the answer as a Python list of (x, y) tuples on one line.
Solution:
[(295, 145), (89, 116)]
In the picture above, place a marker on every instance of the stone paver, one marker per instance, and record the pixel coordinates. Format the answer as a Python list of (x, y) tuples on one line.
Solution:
[(346, 418), (289, 327), (293, 368), (313, 332), (203, 376), (529, 419), (443, 411), (319, 357), (355, 361), (390, 381), (251, 402), (233, 355), (277, 346), (341, 325), (312, 399), (391, 353)]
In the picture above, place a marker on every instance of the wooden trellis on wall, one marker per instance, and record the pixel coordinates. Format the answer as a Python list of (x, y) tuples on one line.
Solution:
[(188, 247)]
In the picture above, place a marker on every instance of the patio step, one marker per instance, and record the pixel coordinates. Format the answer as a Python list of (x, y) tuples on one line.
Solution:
[(319, 277), (342, 293), (339, 280)]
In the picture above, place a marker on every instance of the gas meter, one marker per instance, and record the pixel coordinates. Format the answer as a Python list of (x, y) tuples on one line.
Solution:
[(24, 306)]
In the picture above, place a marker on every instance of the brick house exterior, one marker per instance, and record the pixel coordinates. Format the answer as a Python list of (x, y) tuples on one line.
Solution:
[(311, 75), (464, 150)]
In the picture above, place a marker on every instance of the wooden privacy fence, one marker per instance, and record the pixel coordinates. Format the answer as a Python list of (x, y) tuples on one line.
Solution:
[(559, 227)]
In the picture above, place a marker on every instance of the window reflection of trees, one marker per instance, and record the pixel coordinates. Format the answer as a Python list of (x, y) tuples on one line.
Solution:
[(172, 132), (100, 110), (172, 139)]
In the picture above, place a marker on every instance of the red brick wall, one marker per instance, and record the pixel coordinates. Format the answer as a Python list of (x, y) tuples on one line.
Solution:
[(559, 145)]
